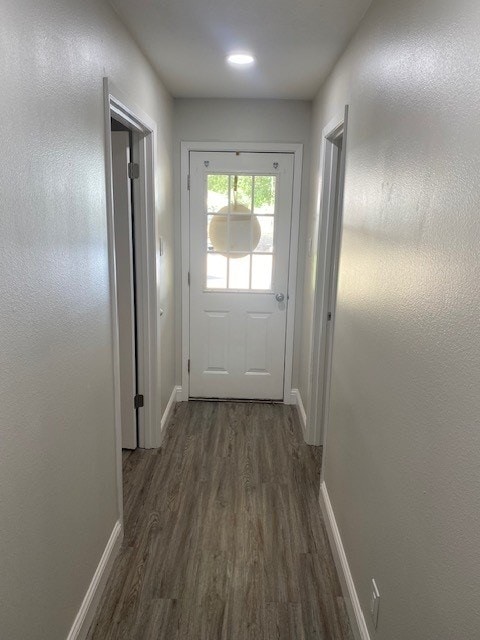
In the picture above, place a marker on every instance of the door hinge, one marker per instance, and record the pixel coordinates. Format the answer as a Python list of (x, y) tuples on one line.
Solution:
[(138, 401), (188, 182), (329, 316), (188, 365), (133, 170), (188, 278)]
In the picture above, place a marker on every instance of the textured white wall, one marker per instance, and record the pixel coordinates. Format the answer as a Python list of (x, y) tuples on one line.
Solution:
[(220, 120), (403, 444), (57, 462)]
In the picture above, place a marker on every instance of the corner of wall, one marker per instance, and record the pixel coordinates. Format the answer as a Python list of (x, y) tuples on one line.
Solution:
[(168, 412), (355, 613), (296, 399)]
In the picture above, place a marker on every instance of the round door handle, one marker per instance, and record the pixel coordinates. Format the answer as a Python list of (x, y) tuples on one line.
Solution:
[(279, 297)]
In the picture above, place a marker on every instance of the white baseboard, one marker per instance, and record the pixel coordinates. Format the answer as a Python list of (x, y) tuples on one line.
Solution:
[(355, 613), (168, 411), (180, 394), (297, 399), (90, 602)]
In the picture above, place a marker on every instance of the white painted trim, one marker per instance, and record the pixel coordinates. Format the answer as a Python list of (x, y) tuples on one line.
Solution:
[(87, 610), (296, 399), (145, 132), (293, 397), (245, 147), (168, 410), (180, 394), (185, 255), (127, 111), (254, 147), (326, 211), (355, 613), (292, 271), (113, 300)]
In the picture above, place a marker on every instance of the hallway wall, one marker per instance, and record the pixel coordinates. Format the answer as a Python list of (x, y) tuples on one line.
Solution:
[(58, 502), (234, 120), (403, 442)]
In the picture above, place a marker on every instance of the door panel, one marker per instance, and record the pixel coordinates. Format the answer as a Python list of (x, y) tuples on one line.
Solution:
[(125, 294), (216, 347), (240, 216), (256, 343)]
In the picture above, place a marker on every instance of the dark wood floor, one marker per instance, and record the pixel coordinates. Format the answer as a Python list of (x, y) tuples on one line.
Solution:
[(223, 534)]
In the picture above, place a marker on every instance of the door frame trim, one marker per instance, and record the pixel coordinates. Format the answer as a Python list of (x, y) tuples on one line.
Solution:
[(316, 415), (247, 147), (118, 105)]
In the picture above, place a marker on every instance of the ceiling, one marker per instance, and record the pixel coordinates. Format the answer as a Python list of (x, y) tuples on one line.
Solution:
[(295, 42)]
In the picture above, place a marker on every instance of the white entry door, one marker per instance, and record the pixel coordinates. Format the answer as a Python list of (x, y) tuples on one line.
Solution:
[(240, 219)]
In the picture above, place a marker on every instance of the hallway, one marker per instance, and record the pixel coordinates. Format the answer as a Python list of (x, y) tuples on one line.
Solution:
[(223, 534), (247, 203)]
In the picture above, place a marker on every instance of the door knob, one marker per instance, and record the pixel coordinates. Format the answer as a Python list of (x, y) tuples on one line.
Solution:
[(279, 297)]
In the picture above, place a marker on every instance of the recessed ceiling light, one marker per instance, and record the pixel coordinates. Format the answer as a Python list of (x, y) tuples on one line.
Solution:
[(240, 59)]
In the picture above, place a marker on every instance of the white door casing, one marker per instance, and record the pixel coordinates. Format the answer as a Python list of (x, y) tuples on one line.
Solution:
[(329, 229), (237, 326), (120, 106), (125, 274)]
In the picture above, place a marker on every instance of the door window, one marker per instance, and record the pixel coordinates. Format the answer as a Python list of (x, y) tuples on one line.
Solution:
[(240, 238)]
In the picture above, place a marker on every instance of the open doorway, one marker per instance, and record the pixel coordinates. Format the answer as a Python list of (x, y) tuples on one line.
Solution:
[(328, 252), (134, 244)]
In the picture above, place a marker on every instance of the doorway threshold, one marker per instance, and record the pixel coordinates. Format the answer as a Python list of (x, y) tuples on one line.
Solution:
[(238, 400)]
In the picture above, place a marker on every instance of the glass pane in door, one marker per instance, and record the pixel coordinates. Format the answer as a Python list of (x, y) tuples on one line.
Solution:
[(240, 231)]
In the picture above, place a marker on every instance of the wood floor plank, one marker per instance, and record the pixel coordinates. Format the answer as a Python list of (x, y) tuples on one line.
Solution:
[(283, 621), (224, 538)]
